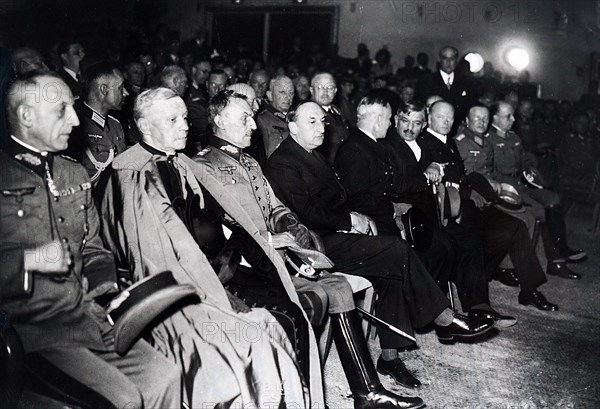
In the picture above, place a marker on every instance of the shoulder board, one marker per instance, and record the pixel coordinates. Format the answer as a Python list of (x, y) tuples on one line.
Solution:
[(460, 137), (204, 151), (114, 119), (68, 158)]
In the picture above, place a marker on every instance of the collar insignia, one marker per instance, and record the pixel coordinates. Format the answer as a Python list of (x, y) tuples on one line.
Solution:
[(98, 119), (204, 151), (29, 158), (230, 149), (478, 140)]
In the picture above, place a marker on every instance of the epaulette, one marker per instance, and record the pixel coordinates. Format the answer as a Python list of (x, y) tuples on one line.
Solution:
[(204, 151), (112, 117), (460, 137), (68, 158)]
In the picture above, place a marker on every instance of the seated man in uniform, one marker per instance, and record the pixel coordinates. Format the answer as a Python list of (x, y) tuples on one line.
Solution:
[(508, 161), (100, 137), (154, 219), (500, 232), (244, 184), (474, 147), (54, 263)]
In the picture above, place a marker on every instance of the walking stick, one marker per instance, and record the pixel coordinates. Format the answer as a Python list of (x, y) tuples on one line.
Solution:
[(385, 324)]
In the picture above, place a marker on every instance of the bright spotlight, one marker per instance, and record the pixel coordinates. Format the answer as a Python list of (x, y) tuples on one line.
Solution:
[(517, 58), (475, 61)]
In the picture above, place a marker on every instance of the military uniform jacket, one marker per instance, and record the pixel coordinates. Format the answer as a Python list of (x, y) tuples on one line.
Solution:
[(475, 151), (273, 128), (226, 172), (507, 158), (51, 311), (147, 236), (308, 185), (366, 173), (96, 141)]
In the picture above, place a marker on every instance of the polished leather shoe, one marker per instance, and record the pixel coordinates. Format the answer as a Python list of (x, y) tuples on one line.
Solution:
[(464, 327), (381, 398), (397, 370), (561, 270), (503, 321), (537, 299), (506, 276)]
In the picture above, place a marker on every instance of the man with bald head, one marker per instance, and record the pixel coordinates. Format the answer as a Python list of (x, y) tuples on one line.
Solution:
[(500, 232), (174, 77), (259, 80), (322, 91), (54, 262), (271, 120)]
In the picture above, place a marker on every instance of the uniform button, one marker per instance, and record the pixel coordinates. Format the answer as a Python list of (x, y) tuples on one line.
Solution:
[(61, 219), (56, 198), (20, 213), (83, 207), (255, 187), (259, 198), (65, 240)]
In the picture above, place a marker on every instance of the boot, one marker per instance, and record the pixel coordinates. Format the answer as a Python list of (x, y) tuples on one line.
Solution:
[(367, 390), (555, 221)]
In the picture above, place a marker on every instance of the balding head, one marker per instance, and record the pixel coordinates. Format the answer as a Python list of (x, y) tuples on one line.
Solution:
[(441, 117), (246, 90), (307, 125), (174, 78), (502, 115)]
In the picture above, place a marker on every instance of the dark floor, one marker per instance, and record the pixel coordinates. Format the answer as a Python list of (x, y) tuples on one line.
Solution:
[(547, 360)]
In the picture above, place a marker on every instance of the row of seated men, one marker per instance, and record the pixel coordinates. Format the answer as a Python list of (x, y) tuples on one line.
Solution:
[(216, 220)]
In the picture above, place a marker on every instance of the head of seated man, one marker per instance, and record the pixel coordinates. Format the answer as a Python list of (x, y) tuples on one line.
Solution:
[(105, 87), (502, 114), (259, 80), (281, 93), (411, 119), (373, 115), (216, 82), (174, 77), (306, 123), (27, 59), (40, 111), (478, 119), (161, 116), (232, 118), (441, 117), (135, 73), (323, 89)]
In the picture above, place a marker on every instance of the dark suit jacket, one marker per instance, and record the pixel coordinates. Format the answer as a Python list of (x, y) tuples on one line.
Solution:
[(409, 177), (366, 172), (75, 87), (446, 154), (306, 183), (460, 94)]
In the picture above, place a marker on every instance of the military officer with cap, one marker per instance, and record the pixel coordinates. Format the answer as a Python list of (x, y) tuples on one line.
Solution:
[(54, 263), (100, 137)]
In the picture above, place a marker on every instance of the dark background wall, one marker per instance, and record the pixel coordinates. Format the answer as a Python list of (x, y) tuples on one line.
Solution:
[(560, 35)]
